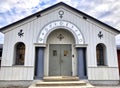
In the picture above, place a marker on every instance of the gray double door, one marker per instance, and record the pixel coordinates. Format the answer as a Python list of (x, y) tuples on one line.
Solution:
[(60, 60)]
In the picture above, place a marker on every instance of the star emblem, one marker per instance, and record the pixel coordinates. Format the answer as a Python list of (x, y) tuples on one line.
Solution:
[(20, 33), (100, 35)]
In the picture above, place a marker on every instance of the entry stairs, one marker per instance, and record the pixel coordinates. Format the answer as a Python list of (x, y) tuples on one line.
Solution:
[(61, 82)]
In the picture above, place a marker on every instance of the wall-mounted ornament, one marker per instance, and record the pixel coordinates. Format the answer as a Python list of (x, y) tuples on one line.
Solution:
[(40, 39), (60, 36), (100, 35), (20, 33), (61, 13)]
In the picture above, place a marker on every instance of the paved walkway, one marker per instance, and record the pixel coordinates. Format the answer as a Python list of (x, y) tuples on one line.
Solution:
[(107, 86), (64, 87)]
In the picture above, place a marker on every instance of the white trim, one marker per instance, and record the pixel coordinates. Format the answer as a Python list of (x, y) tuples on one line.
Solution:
[(40, 45), (46, 30), (81, 45)]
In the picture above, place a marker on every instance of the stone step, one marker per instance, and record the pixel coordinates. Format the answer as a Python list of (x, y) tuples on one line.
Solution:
[(68, 84), (60, 78), (62, 83)]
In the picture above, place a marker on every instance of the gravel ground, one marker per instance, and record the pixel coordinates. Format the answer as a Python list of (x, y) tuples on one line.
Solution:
[(117, 86), (107, 87), (95, 87), (14, 87)]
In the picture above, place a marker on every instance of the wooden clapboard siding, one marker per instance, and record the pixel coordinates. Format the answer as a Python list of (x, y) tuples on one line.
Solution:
[(17, 73), (103, 73)]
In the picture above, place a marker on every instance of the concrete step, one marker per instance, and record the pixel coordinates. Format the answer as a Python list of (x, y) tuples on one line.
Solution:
[(60, 78), (62, 84)]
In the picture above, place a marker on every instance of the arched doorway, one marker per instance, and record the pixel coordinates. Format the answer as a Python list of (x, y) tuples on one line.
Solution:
[(61, 52)]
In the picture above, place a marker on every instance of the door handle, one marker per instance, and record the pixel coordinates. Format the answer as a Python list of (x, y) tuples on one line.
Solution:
[(61, 60), (73, 55)]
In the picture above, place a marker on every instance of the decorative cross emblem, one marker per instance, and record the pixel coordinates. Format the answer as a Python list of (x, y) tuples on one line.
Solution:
[(60, 37), (20, 33), (100, 35), (61, 13)]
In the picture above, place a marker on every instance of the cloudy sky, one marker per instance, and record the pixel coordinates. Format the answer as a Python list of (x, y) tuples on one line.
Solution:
[(107, 11)]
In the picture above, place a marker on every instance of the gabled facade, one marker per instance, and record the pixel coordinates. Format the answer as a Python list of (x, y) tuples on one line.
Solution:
[(59, 41)]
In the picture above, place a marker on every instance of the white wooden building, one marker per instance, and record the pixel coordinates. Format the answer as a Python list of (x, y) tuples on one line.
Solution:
[(59, 41)]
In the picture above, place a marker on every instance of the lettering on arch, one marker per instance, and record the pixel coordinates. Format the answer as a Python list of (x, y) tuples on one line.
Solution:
[(46, 30)]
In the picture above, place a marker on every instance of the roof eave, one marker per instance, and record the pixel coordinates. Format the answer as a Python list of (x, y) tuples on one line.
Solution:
[(60, 3)]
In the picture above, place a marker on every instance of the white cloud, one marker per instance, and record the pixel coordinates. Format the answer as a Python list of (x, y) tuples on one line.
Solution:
[(13, 10), (118, 39), (7, 5), (1, 38), (70, 2)]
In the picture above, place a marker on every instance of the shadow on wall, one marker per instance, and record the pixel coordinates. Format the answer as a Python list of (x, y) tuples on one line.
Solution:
[(118, 55), (1, 48)]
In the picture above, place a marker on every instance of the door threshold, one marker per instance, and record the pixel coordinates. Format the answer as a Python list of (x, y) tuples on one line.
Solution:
[(61, 78)]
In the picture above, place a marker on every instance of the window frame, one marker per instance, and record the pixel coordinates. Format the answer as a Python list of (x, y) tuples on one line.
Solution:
[(19, 52), (101, 50)]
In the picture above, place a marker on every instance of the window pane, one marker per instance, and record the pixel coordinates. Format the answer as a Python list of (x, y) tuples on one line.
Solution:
[(65, 53), (100, 54), (54, 52), (20, 54)]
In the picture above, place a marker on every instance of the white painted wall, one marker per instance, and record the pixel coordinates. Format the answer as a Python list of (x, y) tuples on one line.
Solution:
[(17, 73), (32, 28), (103, 73)]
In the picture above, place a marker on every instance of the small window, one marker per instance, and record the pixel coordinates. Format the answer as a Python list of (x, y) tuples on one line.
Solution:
[(65, 53), (100, 54), (20, 53), (54, 52)]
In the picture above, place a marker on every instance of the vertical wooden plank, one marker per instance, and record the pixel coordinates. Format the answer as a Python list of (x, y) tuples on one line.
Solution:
[(40, 63), (81, 63)]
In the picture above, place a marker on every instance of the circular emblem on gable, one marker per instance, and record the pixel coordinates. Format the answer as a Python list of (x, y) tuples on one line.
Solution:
[(61, 12)]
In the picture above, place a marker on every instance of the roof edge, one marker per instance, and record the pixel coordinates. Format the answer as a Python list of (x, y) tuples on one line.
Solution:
[(32, 15), (48, 8)]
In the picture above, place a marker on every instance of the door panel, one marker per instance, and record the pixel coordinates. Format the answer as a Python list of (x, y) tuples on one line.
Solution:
[(66, 60), (60, 60), (54, 63), (82, 73)]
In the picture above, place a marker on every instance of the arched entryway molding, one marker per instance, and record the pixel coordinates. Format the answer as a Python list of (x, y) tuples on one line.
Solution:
[(43, 37), (59, 50), (47, 29)]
